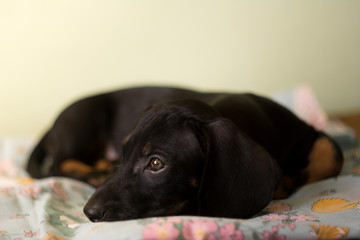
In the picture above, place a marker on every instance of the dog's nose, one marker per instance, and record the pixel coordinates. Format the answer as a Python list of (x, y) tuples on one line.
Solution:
[(94, 213)]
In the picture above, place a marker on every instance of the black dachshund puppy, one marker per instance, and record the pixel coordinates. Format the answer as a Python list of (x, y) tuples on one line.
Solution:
[(206, 154)]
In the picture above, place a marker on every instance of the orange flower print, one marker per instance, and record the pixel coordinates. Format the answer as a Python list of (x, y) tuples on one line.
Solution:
[(6, 191), (329, 205), (24, 180), (52, 236), (328, 231)]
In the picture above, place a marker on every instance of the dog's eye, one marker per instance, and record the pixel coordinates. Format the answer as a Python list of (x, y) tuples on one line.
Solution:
[(155, 164)]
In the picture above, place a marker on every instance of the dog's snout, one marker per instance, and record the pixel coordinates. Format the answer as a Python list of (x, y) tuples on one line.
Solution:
[(95, 213)]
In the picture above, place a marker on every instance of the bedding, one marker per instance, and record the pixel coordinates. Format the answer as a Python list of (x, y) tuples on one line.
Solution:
[(52, 208)]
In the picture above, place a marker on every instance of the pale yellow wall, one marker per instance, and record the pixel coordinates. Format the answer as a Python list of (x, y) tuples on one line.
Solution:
[(52, 52)]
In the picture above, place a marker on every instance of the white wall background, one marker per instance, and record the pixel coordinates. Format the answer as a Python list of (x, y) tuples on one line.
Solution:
[(52, 52)]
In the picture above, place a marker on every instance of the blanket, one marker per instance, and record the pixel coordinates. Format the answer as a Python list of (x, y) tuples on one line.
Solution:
[(51, 209)]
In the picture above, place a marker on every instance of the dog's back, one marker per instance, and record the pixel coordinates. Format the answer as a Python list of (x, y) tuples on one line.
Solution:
[(88, 128)]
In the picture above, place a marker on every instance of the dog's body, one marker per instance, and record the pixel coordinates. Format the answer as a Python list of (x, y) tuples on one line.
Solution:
[(93, 128), (208, 154)]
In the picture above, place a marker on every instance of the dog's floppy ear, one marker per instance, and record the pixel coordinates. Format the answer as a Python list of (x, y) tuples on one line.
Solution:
[(240, 177)]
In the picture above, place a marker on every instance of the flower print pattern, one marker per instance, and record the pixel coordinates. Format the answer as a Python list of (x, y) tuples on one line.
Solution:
[(325, 193), (281, 219), (274, 217), (25, 180), (32, 192), (303, 218), (58, 189), (29, 233), (4, 235), (198, 229), (19, 216), (7, 168), (328, 205), (278, 207), (51, 236), (329, 231), (195, 229), (282, 212), (6, 191), (161, 230), (291, 226), (229, 232), (274, 234), (70, 223)]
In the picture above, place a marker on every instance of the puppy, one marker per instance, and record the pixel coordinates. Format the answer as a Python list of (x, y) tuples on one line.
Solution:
[(218, 155)]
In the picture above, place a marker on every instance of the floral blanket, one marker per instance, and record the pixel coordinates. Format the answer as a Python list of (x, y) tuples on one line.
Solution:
[(52, 209)]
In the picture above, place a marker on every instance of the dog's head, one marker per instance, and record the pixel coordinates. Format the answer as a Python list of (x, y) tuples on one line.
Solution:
[(183, 158)]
